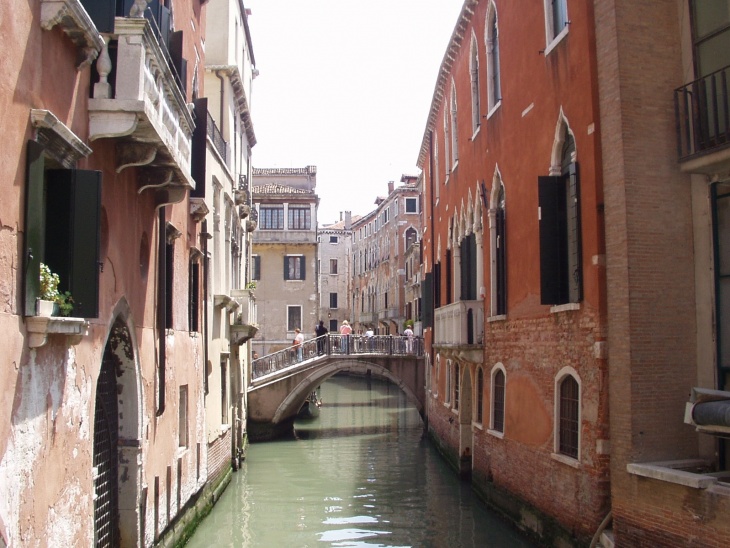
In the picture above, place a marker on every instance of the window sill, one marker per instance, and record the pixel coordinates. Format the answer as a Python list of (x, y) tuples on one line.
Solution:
[(453, 167), (564, 308), (676, 472), (499, 318), (476, 132), (39, 327), (494, 109), (564, 459), (559, 38), (495, 433), (477, 425)]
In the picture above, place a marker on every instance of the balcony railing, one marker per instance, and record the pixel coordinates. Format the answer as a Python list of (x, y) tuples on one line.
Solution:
[(703, 115), (460, 323), (245, 325), (144, 107), (219, 142)]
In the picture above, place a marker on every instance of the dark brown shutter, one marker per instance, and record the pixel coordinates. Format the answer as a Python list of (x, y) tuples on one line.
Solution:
[(286, 268), (34, 225), (199, 147), (427, 303), (179, 63), (303, 269), (501, 263), (551, 197)]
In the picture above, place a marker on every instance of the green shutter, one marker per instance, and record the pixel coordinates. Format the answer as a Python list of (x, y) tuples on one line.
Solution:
[(427, 303), (575, 255), (34, 226), (286, 269), (73, 235), (303, 264)]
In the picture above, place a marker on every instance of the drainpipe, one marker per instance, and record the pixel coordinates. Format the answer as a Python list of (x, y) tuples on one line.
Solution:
[(222, 94)]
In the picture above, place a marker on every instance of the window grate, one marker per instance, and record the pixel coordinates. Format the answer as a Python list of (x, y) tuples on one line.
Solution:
[(106, 489), (569, 401), (498, 402)]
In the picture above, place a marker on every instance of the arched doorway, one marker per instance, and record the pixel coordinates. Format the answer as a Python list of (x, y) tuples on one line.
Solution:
[(117, 443), (465, 419)]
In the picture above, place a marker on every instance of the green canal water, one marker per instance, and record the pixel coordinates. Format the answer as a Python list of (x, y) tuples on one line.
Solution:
[(361, 474)]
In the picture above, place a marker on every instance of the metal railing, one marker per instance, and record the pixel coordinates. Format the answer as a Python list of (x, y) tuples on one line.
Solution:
[(702, 110), (218, 141), (337, 345)]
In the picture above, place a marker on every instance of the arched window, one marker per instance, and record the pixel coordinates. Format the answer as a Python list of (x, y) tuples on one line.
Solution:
[(474, 74), (567, 413), (447, 140), (454, 128), (498, 399), (500, 251), (480, 395), (494, 85), (447, 395)]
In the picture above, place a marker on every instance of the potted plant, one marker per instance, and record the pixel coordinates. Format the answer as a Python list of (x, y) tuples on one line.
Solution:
[(52, 302)]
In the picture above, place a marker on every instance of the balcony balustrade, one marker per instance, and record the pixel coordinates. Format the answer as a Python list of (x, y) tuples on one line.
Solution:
[(244, 326), (144, 108), (460, 323), (702, 112)]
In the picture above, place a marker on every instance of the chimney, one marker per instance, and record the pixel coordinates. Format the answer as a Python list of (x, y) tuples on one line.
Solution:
[(391, 185), (348, 220), (340, 215)]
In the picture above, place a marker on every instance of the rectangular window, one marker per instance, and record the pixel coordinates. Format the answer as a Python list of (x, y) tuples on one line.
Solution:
[(194, 297), (411, 205), (293, 317), (224, 392), (169, 282), (333, 266), (294, 267), (333, 326), (65, 237), (334, 239), (256, 267), (300, 218), (561, 275), (333, 300), (271, 218), (183, 417)]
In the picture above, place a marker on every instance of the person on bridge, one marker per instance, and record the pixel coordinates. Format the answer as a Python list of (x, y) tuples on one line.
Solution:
[(345, 332), (298, 340), (408, 334), (320, 331)]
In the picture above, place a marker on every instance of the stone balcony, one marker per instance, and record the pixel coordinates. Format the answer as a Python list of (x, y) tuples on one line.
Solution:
[(459, 327), (144, 109), (244, 325)]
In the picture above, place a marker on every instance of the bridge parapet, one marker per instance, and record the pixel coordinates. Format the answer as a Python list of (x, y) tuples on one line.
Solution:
[(336, 345)]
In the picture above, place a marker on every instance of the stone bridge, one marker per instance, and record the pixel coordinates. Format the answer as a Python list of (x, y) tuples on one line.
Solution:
[(283, 381)]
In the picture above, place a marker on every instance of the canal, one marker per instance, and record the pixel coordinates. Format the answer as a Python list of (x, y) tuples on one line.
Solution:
[(361, 474)]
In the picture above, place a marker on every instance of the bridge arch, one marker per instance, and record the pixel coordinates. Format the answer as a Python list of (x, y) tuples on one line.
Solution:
[(293, 402)]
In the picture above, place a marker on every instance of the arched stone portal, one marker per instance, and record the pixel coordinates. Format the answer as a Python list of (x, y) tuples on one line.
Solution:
[(117, 440), (465, 431)]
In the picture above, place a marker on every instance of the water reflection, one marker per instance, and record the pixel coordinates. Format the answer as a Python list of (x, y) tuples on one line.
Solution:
[(359, 475)]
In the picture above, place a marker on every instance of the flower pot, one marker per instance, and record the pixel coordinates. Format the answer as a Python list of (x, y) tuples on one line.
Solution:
[(46, 308)]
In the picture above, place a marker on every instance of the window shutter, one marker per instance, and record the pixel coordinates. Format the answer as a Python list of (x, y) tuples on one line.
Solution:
[(178, 61), (198, 148), (575, 260), (286, 268), (303, 264), (73, 235), (501, 264), (102, 13), (427, 304), (552, 275), (34, 225)]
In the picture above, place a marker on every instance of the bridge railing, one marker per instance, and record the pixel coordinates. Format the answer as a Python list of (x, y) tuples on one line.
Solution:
[(334, 344)]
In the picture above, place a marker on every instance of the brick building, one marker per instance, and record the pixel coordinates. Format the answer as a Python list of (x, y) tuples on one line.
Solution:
[(379, 243), (575, 166)]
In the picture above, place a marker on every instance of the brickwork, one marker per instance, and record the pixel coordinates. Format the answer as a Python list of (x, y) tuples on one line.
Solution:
[(219, 454)]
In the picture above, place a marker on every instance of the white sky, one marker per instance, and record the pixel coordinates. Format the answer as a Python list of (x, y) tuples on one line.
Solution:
[(346, 86)]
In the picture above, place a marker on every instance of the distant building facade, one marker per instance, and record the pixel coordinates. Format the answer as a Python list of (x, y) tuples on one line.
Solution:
[(335, 272), (379, 243), (284, 261)]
